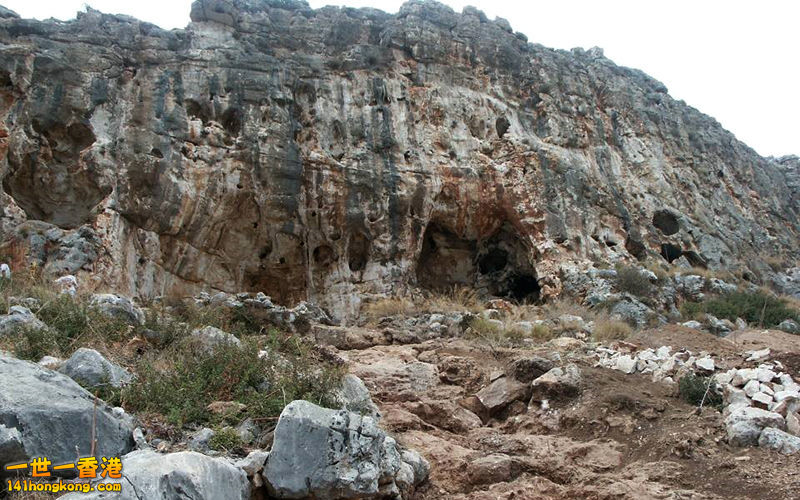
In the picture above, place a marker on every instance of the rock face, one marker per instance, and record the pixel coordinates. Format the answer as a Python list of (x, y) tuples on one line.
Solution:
[(321, 453), (53, 415), (319, 154)]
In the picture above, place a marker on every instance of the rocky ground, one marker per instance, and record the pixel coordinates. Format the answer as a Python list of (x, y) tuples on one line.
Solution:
[(446, 396)]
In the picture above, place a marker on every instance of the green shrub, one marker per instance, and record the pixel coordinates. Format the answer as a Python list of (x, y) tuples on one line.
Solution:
[(225, 439), (757, 308), (692, 388), (183, 380), (634, 282)]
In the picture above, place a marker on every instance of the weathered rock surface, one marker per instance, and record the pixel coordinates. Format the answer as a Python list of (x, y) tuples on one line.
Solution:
[(90, 369), (54, 414), (314, 154), (187, 474), (321, 453)]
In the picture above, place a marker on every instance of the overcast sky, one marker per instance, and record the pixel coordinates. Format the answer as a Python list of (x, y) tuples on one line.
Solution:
[(736, 60)]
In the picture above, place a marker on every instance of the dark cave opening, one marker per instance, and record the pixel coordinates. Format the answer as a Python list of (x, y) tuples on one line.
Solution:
[(666, 222), (670, 252), (358, 251), (497, 266), (524, 287), (493, 261)]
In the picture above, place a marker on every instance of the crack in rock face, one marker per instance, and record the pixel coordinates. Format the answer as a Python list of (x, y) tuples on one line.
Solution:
[(345, 152)]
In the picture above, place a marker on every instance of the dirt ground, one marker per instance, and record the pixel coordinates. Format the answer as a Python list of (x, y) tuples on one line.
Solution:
[(624, 436)]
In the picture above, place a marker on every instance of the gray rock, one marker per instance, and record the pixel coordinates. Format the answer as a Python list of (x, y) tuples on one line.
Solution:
[(502, 392), (19, 317), (118, 307), (210, 337), (632, 311), (90, 369), (744, 425), (187, 474), (323, 453), (789, 326), (780, 441), (253, 463), (199, 440), (558, 383), (54, 414), (354, 396), (12, 450), (694, 325)]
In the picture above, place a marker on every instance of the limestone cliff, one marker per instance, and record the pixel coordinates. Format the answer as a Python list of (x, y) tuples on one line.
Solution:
[(327, 154)]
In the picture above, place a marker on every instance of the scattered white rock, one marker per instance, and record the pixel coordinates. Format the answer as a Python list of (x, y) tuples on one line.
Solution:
[(756, 356), (780, 441)]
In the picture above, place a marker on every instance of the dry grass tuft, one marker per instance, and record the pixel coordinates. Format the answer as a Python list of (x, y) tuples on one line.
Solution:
[(391, 306), (607, 329)]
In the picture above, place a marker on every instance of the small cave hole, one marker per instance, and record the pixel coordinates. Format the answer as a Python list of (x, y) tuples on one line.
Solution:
[(157, 153), (670, 252), (239, 186), (524, 287), (357, 251), (502, 125), (265, 251), (666, 222), (232, 121), (323, 255), (495, 260), (282, 260)]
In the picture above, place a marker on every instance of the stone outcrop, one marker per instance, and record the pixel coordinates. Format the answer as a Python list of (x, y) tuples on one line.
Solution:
[(321, 453), (50, 415), (326, 154)]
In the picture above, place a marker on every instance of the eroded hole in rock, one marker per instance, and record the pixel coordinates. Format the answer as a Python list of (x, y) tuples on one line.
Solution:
[(498, 266), (670, 252), (54, 186), (666, 222), (446, 260), (195, 110), (323, 256), (635, 247), (232, 121), (493, 261), (157, 153), (524, 287), (357, 252), (502, 125)]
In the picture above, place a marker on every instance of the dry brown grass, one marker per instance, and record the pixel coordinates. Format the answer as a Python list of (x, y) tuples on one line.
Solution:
[(391, 306), (457, 299), (606, 330), (562, 306)]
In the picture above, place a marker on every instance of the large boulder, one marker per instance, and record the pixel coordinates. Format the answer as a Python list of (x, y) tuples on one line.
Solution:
[(187, 474), (322, 453), (744, 425), (54, 414), (117, 307), (90, 369), (19, 317)]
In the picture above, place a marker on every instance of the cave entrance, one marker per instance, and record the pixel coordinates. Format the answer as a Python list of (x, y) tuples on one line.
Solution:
[(446, 260), (497, 266)]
